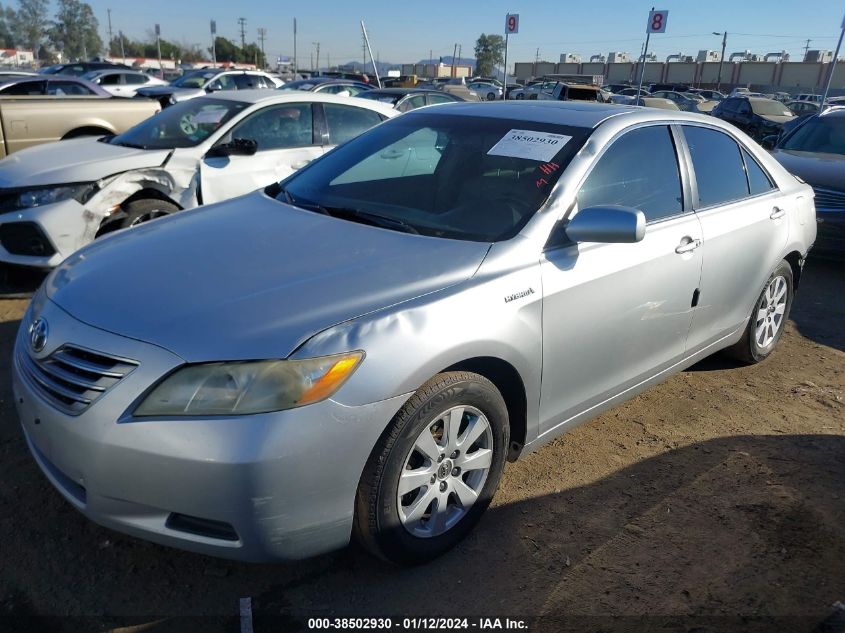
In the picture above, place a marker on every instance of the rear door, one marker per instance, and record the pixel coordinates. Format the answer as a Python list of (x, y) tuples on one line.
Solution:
[(287, 140), (744, 227)]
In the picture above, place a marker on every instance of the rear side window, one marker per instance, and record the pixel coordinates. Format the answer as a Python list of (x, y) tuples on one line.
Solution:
[(347, 122), (622, 176), (718, 166), (758, 181), (135, 79)]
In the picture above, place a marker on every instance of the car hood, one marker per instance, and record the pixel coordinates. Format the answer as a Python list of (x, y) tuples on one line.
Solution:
[(817, 170), (250, 278), (75, 160)]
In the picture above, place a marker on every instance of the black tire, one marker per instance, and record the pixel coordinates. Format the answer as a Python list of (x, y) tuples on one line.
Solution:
[(748, 349), (140, 211), (491, 96), (378, 526)]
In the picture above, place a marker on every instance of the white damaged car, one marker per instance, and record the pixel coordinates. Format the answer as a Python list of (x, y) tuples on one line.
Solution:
[(57, 197)]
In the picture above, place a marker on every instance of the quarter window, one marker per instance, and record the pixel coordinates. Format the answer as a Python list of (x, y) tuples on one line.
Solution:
[(718, 166), (758, 181), (639, 170)]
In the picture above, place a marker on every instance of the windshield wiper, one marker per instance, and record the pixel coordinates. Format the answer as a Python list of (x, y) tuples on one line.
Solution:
[(355, 215), (131, 145)]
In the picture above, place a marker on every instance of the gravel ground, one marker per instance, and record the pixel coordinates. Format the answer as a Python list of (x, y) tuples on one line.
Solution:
[(713, 502)]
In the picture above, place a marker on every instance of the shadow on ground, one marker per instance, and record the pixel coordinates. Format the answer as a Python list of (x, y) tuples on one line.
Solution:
[(647, 544)]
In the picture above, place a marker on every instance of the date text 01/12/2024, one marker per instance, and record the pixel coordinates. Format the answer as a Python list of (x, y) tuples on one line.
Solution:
[(417, 624)]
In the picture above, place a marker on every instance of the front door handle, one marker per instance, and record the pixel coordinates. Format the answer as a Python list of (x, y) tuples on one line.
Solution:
[(776, 213), (687, 245), (300, 164)]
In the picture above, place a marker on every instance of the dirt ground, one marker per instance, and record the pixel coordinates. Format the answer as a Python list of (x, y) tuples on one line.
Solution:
[(713, 502)]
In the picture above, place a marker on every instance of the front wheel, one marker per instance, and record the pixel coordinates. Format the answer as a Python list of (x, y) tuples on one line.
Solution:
[(768, 318), (434, 471)]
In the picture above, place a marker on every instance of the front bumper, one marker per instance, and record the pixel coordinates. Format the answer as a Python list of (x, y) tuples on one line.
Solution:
[(64, 226), (283, 484)]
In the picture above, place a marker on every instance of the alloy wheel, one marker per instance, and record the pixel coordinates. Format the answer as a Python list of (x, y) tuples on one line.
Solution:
[(770, 312)]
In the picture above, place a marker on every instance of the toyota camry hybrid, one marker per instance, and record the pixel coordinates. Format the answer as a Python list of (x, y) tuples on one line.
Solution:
[(358, 349)]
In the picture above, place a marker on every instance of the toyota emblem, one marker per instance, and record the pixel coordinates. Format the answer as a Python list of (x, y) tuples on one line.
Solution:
[(38, 334)]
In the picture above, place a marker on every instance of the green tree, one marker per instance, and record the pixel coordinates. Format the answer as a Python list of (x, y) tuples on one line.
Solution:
[(226, 50), (31, 24), (74, 31), (8, 20), (489, 51)]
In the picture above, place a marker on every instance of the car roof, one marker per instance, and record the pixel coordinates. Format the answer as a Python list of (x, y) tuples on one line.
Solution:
[(393, 91), (571, 113), (282, 96)]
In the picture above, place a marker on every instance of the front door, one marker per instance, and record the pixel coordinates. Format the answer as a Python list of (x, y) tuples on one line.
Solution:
[(286, 140), (617, 314)]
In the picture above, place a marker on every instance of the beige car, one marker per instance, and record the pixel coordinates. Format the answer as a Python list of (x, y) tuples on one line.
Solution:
[(32, 120)]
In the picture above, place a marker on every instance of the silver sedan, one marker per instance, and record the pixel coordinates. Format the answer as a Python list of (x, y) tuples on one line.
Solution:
[(360, 348)]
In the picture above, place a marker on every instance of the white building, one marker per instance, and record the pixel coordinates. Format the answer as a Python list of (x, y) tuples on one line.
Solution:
[(13, 57)]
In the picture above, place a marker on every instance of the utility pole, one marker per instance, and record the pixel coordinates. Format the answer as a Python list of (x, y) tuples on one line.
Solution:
[(721, 59), (122, 51), (111, 36), (262, 34), (158, 46), (242, 22), (214, 43), (370, 51), (294, 49), (832, 66), (317, 44), (806, 48), (536, 61), (454, 54)]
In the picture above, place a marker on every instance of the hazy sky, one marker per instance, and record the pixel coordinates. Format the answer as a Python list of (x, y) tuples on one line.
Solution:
[(405, 31)]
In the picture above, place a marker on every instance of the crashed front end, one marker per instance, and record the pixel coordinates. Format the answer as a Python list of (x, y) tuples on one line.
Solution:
[(40, 226)]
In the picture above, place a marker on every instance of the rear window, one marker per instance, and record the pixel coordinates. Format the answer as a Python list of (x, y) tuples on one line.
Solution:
[(461, 177)]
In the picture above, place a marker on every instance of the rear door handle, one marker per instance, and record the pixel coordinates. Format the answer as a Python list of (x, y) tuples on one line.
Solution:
[(300, 164), (687, 245), (776, 213)]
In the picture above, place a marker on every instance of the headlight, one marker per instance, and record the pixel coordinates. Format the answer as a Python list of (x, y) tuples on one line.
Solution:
[(48, 195), (249, 387)]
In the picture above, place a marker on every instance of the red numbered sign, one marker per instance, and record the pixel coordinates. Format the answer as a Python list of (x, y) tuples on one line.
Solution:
[(657, 21), (512, 24)]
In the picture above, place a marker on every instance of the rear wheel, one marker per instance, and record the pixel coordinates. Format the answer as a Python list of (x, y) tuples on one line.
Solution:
[(768, 318), (434, 471), (491, 96)]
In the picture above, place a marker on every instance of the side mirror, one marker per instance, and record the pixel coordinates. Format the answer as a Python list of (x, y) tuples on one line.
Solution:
[(769, 142), (212, 88), (236, 147), (610, 224)]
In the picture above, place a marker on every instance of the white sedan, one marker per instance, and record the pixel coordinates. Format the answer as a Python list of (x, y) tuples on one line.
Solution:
[(200, 151), (486, 91), (122, 83)]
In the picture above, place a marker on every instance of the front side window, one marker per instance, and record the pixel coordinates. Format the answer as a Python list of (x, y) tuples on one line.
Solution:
[(639, 170), (278, 127), (224, 82), (347, 122), (67, 88), (25, 88), (718, 166), (452, 176), (185, 124), (192, 80)]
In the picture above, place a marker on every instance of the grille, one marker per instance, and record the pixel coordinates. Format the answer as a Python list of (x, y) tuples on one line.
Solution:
[(72, 378), (830, 199)]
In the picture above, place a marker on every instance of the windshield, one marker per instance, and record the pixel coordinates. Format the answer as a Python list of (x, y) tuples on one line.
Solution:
[(185, 124), (822, 134), (192, 80), (462, 177), (770, 108)]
